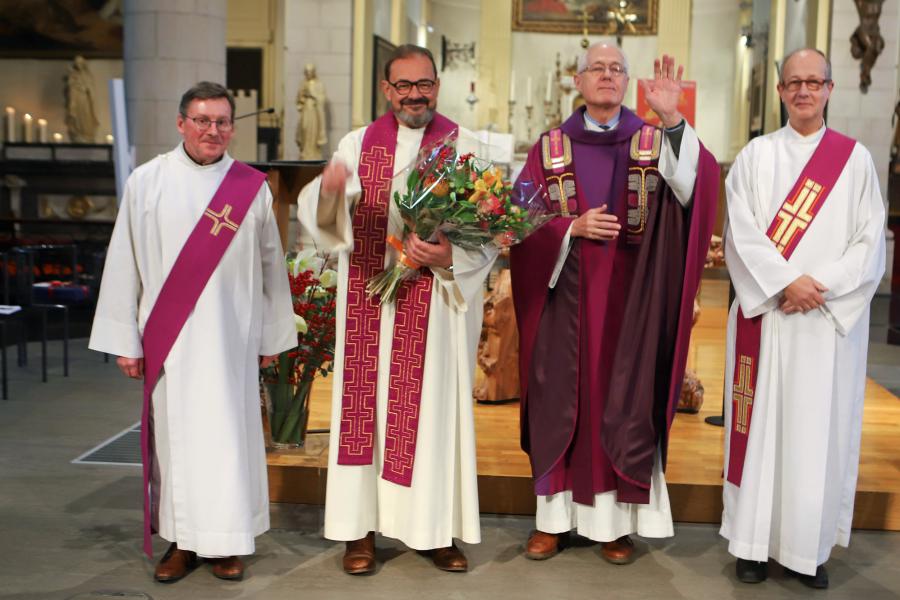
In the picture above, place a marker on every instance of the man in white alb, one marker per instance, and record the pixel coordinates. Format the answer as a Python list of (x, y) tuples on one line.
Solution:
[(805, 249), (402, 447), (195, 260)]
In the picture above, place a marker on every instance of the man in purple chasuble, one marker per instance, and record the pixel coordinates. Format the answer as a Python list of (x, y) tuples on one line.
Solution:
[(604, 295), (195, 259), (402, 448)]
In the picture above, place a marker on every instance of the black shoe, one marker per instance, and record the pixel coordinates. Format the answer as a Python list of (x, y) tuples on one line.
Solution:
[(819, 581), (751, 571)]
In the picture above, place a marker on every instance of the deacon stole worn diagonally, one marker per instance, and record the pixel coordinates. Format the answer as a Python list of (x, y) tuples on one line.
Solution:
[(791, 222), (192, 269), (361, 343)]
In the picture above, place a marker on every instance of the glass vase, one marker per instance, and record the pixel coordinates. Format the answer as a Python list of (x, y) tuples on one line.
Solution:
[(287, 409)]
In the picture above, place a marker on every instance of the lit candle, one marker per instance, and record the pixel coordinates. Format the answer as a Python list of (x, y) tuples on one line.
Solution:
[(57, 138), (10, 124), (42, 131), (528, 91), (512, 86), (109, 138), (27, 129), (549, 97)]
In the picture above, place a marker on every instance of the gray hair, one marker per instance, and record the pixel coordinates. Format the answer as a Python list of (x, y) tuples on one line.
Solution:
[(583, 59), (790, 55), (205, 90)]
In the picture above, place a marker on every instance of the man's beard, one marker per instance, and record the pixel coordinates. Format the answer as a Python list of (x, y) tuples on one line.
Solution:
[(414, 121)]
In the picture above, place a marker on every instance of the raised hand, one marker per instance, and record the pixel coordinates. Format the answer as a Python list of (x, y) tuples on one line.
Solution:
[(334, 178), (664, 90)]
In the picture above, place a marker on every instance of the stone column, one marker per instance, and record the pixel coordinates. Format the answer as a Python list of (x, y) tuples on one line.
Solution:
[(169, 46)]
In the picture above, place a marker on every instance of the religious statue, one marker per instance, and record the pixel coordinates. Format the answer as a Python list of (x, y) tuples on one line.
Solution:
[(311, 129), (81, 118), (866, 42), (498, 350)]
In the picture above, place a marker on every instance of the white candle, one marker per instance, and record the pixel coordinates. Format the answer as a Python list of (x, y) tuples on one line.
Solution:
[(528, 92), (10, 124), (109, 138), (549, 97), (27, 129), (42, 131), (57, 138), (512, 85)]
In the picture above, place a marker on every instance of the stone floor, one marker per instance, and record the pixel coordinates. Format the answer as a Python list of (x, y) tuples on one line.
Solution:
[(73, 531)]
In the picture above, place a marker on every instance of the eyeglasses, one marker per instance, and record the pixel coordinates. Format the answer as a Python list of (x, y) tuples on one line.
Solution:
[(404, 86), (204, 123), (615, 70), (813, 85)]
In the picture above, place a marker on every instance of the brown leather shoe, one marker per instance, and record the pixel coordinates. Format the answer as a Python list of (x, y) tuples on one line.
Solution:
[(450, 558), (230, 567), (359, 557), (174, 564), (619, 552), (542, 546)]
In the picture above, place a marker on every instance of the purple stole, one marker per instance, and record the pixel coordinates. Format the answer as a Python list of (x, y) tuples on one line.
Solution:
[(370, 221), (791, 222), (195, 264)]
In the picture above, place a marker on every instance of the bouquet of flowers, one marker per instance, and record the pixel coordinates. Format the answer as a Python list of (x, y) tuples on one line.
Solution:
[(288, 379), (465, 198)]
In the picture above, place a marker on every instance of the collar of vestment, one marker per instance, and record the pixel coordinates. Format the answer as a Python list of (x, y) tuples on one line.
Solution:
[(796, 136), (628, 124), (223, 163), (593, 124)]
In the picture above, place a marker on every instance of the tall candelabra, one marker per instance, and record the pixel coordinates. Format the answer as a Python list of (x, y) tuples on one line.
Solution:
[(528, 110)]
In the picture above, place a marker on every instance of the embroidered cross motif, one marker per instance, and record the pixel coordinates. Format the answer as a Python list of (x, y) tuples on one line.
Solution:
[(221, 219), (796, 214), (742, 393)]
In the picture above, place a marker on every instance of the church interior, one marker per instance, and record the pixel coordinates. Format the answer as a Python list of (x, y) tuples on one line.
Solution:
[(90, 90)]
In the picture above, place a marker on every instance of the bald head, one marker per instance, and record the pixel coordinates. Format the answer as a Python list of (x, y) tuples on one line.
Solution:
[(601, 49), (805, 59)]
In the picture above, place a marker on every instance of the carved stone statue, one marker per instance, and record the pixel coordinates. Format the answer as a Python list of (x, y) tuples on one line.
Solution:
[(866, 42), (498, 350), (81, 118), (311, 128)]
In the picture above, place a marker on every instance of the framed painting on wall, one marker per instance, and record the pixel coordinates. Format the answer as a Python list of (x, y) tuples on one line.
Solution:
[(602, 17), (61, 29), (383, 51)]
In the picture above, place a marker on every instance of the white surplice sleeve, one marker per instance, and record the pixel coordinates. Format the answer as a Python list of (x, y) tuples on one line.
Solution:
[(680, 171), (116, 329), (329, 220), (279, 333), (853, 279), (465, 283), (759, 272)]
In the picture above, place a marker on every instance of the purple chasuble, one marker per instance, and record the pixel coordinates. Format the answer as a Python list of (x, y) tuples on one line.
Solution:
[(602, 354), (192, 269), (370, 222)]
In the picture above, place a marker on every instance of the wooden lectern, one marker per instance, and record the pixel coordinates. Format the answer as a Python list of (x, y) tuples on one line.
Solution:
[(286, 178)]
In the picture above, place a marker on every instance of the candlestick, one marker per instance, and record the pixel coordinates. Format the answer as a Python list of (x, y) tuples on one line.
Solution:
[(549, 95), (10, 124), (42, 131), (512, 109), (528, 91), (528, 110), (57, 138), (512, 85), (27, 129)]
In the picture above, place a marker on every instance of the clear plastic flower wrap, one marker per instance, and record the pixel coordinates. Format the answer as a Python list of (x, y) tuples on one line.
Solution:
[(464, 197)]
